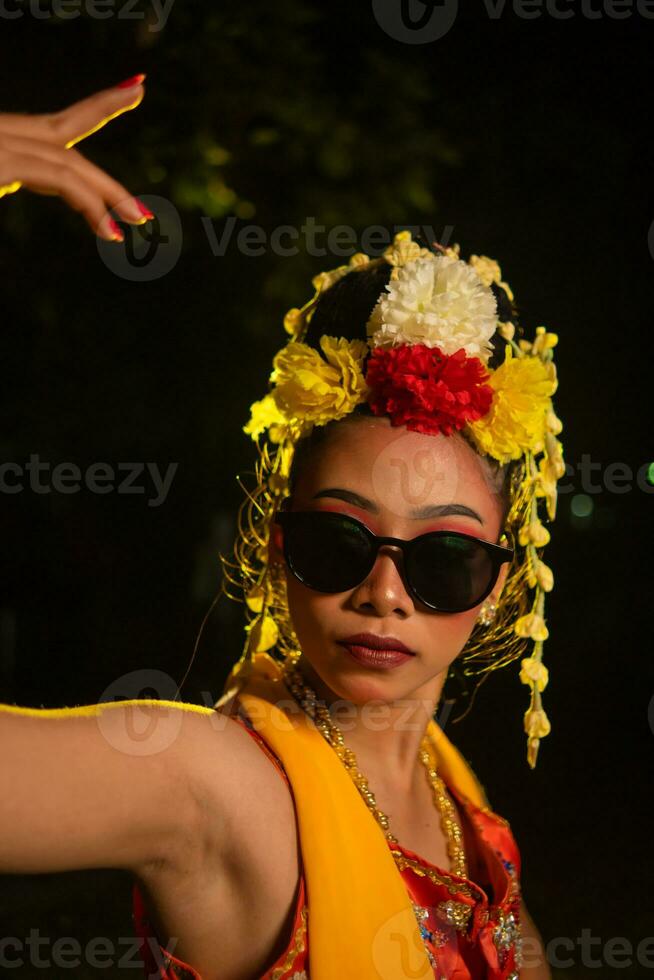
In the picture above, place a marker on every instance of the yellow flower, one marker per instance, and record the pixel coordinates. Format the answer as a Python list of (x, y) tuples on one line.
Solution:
[(533, 671), (534, 533), (324, 280), (359, 259), (405, 250), (553, 423), (254, 598), (489, 271), (549, 471), (278, 479), (285, 457), (546, 487), (532, 626), (532, 751), (521, 398), (545, 576), (538, 573), (292, 321), (506, 330), (311, 390), (555, 462), (536, 723), (263, 414), (263, 634), (544, 341)]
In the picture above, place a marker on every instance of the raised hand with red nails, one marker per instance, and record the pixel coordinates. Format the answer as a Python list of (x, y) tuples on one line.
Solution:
[(36, 152)]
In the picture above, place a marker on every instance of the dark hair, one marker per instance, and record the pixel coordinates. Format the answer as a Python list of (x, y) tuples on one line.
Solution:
[(343, 311), (345, 308)]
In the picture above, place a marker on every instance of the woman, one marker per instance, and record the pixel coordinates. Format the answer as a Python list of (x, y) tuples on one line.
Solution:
[(319, 823)]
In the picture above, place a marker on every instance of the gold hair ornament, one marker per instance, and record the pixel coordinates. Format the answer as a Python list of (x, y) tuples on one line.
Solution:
[(437, 309)]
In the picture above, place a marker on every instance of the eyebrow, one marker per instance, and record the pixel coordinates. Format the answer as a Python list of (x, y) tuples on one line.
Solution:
[(417, 514)]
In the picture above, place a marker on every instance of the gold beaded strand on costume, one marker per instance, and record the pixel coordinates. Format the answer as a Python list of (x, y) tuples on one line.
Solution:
[(318, 711)]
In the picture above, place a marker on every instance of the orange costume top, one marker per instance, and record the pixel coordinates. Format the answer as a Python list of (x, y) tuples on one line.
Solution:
[(470, 929)]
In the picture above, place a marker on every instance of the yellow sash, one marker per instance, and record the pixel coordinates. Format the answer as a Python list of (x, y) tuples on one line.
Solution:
[(361, 923)]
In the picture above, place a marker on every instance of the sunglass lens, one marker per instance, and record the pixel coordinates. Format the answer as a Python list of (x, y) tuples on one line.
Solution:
[(327, 552), (450, 573)]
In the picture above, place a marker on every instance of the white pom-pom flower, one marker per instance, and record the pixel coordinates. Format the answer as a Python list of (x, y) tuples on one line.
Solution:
[(440, 302)]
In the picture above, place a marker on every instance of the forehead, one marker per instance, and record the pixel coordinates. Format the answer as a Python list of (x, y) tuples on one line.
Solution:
[(400, 470)]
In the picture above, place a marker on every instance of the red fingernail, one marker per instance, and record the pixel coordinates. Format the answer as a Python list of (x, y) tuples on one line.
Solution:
[(130, 82), (142, 208), (117, 233)]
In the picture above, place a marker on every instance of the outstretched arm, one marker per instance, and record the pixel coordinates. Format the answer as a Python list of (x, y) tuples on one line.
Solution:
[(106, 786)]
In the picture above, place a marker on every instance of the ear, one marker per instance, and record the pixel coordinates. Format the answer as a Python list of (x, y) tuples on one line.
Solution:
[(499, 585)]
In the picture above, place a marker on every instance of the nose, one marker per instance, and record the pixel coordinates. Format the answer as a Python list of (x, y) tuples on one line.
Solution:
[(383, 590)]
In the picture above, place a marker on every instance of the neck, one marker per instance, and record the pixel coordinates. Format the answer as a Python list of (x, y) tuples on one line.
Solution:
[(385, 736)]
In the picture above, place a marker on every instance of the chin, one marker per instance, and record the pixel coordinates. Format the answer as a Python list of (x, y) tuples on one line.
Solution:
[(351, 681)]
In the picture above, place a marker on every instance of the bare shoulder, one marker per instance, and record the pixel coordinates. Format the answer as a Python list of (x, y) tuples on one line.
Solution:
[(231, 883), (240, 801)]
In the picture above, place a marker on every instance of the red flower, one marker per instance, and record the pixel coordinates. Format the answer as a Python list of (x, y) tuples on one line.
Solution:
[(426, 390)]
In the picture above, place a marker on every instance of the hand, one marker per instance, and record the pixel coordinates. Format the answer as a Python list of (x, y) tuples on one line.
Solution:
[(35, 152)]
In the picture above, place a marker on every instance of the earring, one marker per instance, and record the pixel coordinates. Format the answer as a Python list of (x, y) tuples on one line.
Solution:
[(487, 612)]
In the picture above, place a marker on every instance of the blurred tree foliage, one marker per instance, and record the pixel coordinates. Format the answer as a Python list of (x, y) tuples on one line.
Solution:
[(254, 114), (272, 113), (257, 113), (276, 107)]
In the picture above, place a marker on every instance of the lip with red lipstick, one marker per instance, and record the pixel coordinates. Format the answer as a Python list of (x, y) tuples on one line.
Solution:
[(376, 651)]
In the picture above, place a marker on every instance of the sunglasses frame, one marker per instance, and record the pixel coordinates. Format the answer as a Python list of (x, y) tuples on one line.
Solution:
[(497, 553)]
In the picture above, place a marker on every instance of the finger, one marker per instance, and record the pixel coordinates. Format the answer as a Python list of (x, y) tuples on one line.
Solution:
[(77, 121), (88, 115), (42, 177), (114, 194)]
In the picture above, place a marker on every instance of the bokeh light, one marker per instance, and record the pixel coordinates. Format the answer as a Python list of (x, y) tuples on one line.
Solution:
[(581, 506)]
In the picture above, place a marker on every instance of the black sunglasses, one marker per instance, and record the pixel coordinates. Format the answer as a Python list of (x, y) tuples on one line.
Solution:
[(445, 570)]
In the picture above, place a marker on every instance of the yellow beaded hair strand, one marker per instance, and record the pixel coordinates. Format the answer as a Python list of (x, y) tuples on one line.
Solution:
[(435, 305)]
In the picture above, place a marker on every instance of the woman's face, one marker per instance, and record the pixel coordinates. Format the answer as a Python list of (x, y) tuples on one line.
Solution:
[(383, 476)]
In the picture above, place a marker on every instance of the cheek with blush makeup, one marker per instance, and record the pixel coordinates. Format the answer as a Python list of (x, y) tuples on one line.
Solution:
[(355, 672), (354, 472)]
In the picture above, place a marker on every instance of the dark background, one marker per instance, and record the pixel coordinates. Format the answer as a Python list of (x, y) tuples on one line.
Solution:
[(530, 140)]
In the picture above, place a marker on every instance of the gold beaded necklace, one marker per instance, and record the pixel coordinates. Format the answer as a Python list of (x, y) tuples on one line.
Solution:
[(318, 711)]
